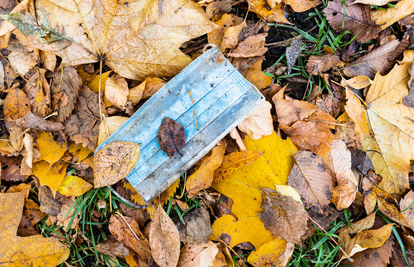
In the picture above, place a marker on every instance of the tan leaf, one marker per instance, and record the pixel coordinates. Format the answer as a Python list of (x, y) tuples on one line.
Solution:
[(109, 126), (236, 136), (312, 180), (387, 17), (318, 64), (357, 20), (252, 46), (116, 91), (231, 36), (203, 177), (33, 121), (126, 231), (275, 14), (16, 105), (224, 23), (251, 69), (112, 248), (195, 226), (198, 255), (339, 162), (164, 239), (282, 215), (27, 162), (378, 257), (49, 60), (407, 208), (114, 162), (359, 226), (233, 162), (369, 64), (259, 123), (358, 82), (23, 62), (372, 2), (302, 5)]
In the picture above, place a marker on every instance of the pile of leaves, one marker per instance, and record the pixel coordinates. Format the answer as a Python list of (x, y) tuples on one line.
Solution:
[(318, 175)]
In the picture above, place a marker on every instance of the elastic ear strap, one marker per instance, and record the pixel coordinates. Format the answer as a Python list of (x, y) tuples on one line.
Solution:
[(208, 46)]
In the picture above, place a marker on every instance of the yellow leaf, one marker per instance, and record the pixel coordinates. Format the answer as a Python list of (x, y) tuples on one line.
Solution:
[(385, 127), (50, 151), (358, 82), (302, 5), (203, 177), (114, 162), (256, 76), (386, 18), (74, 186), (260, 7), (243, 186), (25, 251), (79, 151), (109, 126), (274, 252), (52, 176), (94, 86), (16, 105)]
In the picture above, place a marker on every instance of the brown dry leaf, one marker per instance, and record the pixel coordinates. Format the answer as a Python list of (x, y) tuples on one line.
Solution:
[(126, 230), (114, 162), (347, 132), (385, 125), (283, 214), (49, 60), (131, 37), (198, 255), (16, 105), (109, 126), (196, 227), (407, 208), (275, 14), (203, 177), (66, 217), (318, 64), (112, 248), (33, 121), (25, 251), (252, 46), (27, 162), (259, 123), (171, 137), (312, 180), (23, 62), (339, 162), (236, 136), (231, 35), (387, 17), (10, 169), (145, 89), (67, 83), (379, 59), (378, 257), (359, 226), (233, 162), (251, 69), (276, 252), (302, 5), (83, 125), (358, 82), (164, 239), (225, 22), (357, 20), (116, 91)]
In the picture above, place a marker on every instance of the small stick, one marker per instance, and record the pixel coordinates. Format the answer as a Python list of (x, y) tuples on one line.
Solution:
[(227, 245), (195, 116), (320, 227), (130, 228)]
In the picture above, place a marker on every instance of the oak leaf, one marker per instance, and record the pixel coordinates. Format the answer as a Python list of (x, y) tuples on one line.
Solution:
[(131, 36), (203, 177), (114, 162), (312, 180), (243, 186), (259, 123), (318, 64), (357, 20), (33, 250), (283, 214), (164, 239), (171, 136), (384, 120)]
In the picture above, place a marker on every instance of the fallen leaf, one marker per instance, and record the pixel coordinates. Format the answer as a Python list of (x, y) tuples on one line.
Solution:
[(33, 250), (302, 5), (231, 37), (201, 255), (74, 186), (164, 239), (283, 214), (358, 82), (357, 20), (196, 227), (252, 46), (312, 180), (407, 209), (27, 162), (386, 119), (259, 123), (114, 162), (69, 83), (23, 62), (236, 136), (116, 91), (377, 60), (171, 136), (292, 53), (33, 121), (66, 216), (318, 64), (141, 54), (50, 175), (359, 226), (126, 231), (225, 22), (275, 14), (112, 248), (10, 169), (50, 151), (233, 162), (203, 177), (276, 252), (379, 256), (387, 17), (372, 2), (109, 126), (49, 60), (16, 105), (147, 89), (251, 69)]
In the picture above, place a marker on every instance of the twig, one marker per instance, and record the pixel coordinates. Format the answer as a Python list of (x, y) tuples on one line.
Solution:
[(195, 116), (227, 245), (130, 228)]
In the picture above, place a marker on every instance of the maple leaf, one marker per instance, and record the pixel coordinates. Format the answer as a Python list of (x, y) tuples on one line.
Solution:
[(33, 250), (137, 39), (385, 127)]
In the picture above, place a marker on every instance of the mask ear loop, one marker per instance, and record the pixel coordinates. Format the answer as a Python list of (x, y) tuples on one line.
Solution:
[(208, 46)]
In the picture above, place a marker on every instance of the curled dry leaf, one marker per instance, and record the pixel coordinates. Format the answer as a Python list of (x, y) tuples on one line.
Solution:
[(200, 255), (302, 5), (116, 91), (203, 177), (359, 226), (259, 123), (225, 22), (164, 239), (379, 59), (358, 82), (275, 14), (292, 53), (171, 136), (407, 208), (276, 252), (196, 227), (109, 126), (357, 20), (231, 36), (35, 122), (312, 180), (236, 136), (379, 257), (252, 46), (318, 64), (251, 69), (339, 162), (126, 231), (114, 162), (112, 248), (387, 17), (283, 214)]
